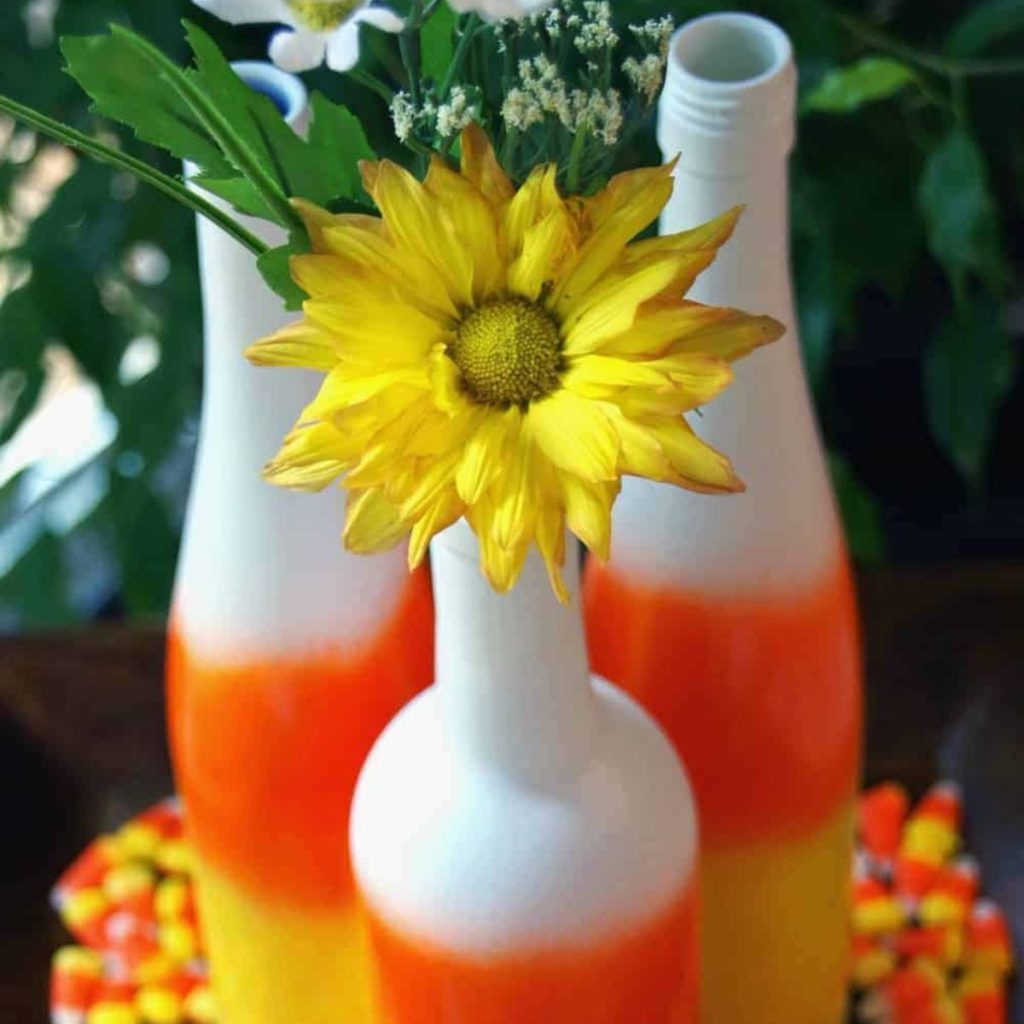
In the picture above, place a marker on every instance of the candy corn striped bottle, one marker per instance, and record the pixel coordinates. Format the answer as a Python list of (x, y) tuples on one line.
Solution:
[(287, 656), (523, 836), (732, 619)]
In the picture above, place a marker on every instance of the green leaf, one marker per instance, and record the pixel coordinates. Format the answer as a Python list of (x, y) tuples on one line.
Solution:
[(239, 192), (984, 24), (337, 143), (34, 587), (124, 88), (959, 211), (436, 42), (275, 266), (146, 543), (862, 518), (968, 371), (845, 90)]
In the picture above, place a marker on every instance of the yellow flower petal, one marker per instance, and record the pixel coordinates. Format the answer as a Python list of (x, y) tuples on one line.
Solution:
[(575, 434), (445, 509), (627, 205), (484, 458), (481, 167), (544, 249), (472, 221), (611, 307), (372, 523), (664, 326), (412, 217), (551, 530), (537, 198), (312, 456), (302, 344), (588, 510), (707, 237), (698, 465), (371, 255)]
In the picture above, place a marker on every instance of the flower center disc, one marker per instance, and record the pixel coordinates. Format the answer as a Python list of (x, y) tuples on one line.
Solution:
[(322, 15), (508, 352)]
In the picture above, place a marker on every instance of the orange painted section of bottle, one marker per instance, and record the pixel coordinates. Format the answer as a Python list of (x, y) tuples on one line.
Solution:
[(648, 976), (267, 751), (761, 696)]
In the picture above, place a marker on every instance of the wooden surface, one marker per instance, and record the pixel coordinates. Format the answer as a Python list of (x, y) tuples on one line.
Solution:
[(82, 744)]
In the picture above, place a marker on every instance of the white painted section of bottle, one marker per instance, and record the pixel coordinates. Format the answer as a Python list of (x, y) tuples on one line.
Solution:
[(263, 570), (728, 111), (519, 803)]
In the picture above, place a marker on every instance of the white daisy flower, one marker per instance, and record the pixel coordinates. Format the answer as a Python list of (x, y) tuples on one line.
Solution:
[(496, 10), (317, 29)]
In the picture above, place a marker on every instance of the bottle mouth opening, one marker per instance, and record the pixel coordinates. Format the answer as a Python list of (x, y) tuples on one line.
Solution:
[(285, 91), (732, 50)]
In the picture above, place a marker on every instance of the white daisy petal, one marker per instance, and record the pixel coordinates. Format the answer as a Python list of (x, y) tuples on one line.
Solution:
[(381, 17), (343, 46), (298, 51), (497, 10), (248, 12)]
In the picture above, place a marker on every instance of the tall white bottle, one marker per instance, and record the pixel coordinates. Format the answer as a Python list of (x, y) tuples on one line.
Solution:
[(732, 619), (523, 835), (287, 656)]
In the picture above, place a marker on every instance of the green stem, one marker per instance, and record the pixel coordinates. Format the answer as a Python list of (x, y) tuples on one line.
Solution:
[(373, 83), (231, 143), (408, 47), (459, 57), (572, 175), (950, 67), (141, 170)]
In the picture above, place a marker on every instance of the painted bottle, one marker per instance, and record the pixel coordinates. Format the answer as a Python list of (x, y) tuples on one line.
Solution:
[(732, 620), (286, 658), (523, 837)]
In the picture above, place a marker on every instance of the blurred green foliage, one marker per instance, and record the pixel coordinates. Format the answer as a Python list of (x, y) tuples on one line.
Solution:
[(907, 186)]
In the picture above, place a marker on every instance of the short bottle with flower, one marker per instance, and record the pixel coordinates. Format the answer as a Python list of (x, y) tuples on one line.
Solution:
[(500, 343)]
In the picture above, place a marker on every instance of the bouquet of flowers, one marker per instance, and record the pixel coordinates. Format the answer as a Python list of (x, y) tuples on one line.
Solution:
[(496, 343)]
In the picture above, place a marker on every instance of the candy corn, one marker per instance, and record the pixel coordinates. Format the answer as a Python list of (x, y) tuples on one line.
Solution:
[(925, 949), (881, 813), (129, 900)]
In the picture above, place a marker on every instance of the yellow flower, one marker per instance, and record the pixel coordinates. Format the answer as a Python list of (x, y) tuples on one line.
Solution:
[(504, 355)]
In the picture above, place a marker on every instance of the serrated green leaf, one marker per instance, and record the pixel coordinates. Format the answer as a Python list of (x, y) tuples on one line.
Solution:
[(239, 192), (845, 90), (124, 88), (968, 371), (437, 43), (984, 24), (337, 143), (275, 266), (959, 210)]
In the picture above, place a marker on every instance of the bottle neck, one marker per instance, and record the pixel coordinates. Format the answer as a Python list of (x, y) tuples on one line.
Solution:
[(728, 112), (513, 683)]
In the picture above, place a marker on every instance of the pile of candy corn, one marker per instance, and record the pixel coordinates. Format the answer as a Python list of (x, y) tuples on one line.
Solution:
[(128, 901), (926, 949)]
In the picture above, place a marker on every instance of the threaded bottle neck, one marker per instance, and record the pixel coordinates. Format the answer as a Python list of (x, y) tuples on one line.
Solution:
[(729, 95)]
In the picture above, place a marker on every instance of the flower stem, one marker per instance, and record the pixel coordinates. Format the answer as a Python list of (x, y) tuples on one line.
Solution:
[(144, 172), (459, 57), (373, 83), (947, 66)]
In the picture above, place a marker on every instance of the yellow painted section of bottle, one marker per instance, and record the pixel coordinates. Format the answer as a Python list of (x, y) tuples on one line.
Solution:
[(772, 951), (324, 977)]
